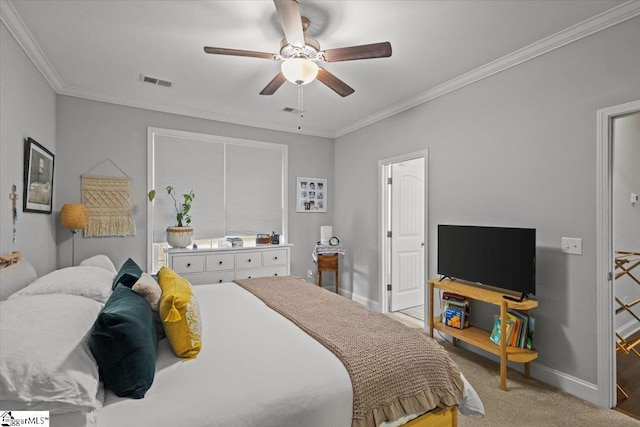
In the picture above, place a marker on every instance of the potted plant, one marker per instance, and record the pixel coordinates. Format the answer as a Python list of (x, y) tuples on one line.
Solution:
[(179, 235)]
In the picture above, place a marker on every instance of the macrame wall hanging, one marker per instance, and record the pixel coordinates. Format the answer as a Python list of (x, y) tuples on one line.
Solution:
[(109, 201)]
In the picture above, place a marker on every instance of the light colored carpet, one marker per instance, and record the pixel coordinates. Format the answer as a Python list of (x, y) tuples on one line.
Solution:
[(528, 402)]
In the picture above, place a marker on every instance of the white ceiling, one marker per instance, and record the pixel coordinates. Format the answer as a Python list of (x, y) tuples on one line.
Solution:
[(98, 49)]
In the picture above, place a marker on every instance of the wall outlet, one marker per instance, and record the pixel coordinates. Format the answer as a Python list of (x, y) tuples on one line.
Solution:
[(309, 274), (571, 245)]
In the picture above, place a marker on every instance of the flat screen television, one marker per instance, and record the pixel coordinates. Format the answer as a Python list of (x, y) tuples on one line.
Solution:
[(500, 257)]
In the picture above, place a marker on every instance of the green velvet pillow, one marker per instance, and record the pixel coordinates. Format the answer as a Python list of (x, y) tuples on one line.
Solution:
[(124, 343), (128, 274)]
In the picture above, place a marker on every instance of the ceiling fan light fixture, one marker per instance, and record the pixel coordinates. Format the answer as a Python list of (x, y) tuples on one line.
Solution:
[(299, 70)]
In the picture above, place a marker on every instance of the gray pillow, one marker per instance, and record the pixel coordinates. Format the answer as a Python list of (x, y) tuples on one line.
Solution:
[(16, 277), (100, 261)]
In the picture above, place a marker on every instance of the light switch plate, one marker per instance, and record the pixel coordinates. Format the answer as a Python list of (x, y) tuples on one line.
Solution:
[(571, 245)]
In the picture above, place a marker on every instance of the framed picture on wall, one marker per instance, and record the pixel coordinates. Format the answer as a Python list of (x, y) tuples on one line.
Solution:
[(38, 178), (311, 194)]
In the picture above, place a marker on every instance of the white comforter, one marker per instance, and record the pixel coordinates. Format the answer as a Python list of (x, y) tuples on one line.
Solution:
[(255, 369)]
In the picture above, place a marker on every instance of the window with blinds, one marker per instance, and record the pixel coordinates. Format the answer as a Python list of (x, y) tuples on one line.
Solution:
[(240, 186)]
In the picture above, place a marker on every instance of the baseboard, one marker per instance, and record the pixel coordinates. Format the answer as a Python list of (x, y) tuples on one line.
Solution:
[(369, 303), (565, 382), (562, 381)]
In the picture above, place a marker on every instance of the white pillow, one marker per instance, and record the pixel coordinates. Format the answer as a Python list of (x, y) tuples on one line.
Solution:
[(86, 281), (16, 277), (100, 261), (149, 289), (470, 403), (46, 363)]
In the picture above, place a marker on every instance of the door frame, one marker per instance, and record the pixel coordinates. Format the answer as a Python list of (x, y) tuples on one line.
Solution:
[(384, 246), (604, 268)]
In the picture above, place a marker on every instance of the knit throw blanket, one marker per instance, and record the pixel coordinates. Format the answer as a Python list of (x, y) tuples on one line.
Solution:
[(109, 201), (395, 370)]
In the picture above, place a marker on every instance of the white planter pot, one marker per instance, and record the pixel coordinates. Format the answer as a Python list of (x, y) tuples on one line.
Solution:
[(179, 237)]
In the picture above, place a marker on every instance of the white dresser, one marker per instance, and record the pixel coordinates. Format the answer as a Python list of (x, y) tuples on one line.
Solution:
[(205, 266)]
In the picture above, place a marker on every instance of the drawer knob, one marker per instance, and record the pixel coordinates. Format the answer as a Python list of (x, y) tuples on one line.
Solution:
[(220, 262), (220, 281), (188, 264), (249, 260), (276, 274), (275, 257)]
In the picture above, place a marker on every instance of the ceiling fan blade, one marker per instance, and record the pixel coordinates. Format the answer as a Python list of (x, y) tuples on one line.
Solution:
[(334, 83), (366, 51), (291, 21), (238, 52), (274, 84)]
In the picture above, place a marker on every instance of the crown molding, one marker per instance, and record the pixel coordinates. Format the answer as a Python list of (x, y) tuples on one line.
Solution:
[(590, 26), (18, 29)]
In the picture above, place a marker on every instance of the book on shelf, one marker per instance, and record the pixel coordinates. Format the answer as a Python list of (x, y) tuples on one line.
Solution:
[(496, 332), (452, 296), (523, 329), (454, 317), (459, 302), (532, 327), (520, 329)]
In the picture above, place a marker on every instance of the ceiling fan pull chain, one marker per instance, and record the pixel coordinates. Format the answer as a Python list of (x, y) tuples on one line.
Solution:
[(300, 106)]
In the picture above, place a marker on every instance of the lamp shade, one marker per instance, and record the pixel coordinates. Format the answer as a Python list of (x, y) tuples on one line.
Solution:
[(299, 70), (74, 216)]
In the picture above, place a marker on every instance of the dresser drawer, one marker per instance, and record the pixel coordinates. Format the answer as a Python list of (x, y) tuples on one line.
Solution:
[(248, 260), (211, 277), (274, 271), (278, 257), (261, 272), (217, 262), (188, 264), (221, 277)]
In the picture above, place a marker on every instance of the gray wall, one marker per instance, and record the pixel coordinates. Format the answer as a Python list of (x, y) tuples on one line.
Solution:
[(626, 216), (90, 132), (515, 149), (518, 148), (27, 109)]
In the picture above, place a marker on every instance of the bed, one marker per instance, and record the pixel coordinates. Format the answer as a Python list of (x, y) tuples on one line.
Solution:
[(252, 365)]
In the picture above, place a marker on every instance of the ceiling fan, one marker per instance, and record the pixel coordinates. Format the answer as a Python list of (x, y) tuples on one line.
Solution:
[(301, 54)]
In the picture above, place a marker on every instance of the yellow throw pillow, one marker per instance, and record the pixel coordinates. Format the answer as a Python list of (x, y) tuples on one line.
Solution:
[(180, 314)]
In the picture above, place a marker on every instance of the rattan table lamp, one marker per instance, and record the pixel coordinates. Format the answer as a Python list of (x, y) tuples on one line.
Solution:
[(74, 217)]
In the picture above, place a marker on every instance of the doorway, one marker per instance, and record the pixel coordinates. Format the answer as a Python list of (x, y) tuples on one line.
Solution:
[(403, 233), (626, 244), (606, 248)]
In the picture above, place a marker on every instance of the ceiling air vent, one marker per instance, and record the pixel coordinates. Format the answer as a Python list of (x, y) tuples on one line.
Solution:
[(155, 81)]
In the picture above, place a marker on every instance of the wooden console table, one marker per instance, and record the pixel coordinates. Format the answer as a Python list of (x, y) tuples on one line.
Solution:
[(481, 338)]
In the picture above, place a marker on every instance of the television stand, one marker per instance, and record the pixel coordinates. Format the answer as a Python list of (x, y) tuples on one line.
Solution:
[(479, 337)]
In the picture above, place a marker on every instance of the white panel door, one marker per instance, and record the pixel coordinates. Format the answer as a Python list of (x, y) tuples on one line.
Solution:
[(407, 234)]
